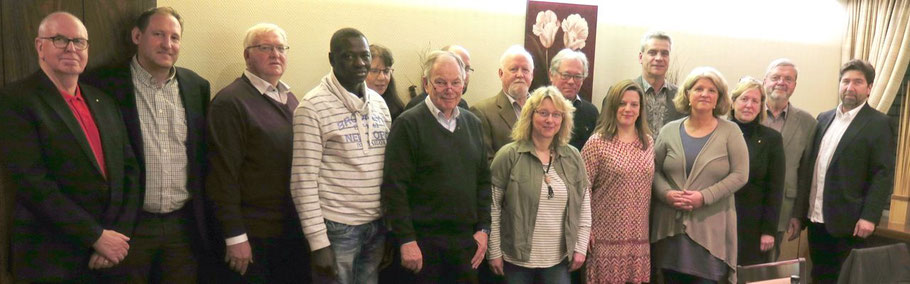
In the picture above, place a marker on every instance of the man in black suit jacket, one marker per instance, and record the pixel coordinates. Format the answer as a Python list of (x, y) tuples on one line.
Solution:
[(164, 108), (66, 154), (568, 71), (852, 166)]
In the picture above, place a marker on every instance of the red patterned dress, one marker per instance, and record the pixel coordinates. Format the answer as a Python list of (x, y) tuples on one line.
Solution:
[(621, 174)]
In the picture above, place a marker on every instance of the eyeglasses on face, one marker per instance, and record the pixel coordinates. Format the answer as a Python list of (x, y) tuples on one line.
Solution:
[(546, 114), (269, 48), (62, 41), (441, 85), (567, 76), (384, 71)]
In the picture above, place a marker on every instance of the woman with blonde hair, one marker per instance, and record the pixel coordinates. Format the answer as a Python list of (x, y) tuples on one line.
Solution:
[(758, 202), (619, 159), (541, 211), (700, 161)]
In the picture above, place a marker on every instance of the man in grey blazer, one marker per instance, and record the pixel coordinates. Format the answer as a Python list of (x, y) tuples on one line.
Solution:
[(797, 128), (500, 112)]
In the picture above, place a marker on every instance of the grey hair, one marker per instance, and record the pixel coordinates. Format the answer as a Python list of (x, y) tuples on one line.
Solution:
[(434, 56), (515, 50), (262, 28), (655, 35), (781, 62), (568, 54)]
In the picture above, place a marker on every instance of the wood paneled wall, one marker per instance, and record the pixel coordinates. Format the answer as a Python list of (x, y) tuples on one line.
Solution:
[(108, 22)]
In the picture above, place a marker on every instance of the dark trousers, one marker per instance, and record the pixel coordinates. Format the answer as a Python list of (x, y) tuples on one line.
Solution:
[(161, 250), (829, 252), (278, 260), (673, 277), (447, 259)]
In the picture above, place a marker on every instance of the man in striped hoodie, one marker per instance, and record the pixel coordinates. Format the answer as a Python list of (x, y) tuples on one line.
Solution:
[(340, 130)]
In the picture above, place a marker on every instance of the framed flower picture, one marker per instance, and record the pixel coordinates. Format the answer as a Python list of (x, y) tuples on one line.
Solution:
[(550, 27)]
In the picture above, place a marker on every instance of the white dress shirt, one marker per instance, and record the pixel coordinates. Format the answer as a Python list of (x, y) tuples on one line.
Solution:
[(826, 150)]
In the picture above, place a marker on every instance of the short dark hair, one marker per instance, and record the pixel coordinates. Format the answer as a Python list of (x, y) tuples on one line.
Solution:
[(859, 65), (143, 21), (343, 34)]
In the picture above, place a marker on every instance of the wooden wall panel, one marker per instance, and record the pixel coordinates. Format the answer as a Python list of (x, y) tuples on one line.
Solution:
[(109, 23), (20, 21)]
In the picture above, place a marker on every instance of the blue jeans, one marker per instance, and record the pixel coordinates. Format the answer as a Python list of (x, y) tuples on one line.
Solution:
[(515, 274), (358, 250)]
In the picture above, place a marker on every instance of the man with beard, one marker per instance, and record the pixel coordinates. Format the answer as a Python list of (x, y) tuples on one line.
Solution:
[(797, 128), (500, 112), (849, 176)]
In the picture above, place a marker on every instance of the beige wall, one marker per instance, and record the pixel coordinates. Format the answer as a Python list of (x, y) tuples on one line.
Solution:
[(737, 37)]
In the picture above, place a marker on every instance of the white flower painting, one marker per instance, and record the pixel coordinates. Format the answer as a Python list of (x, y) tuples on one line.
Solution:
[(575, 32), (546, 27)]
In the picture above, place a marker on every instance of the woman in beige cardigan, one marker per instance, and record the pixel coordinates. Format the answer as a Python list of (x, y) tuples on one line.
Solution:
[(700, 161)]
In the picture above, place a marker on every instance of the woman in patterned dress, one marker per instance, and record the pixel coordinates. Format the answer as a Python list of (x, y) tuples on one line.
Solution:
[(541, 211), (619, 159)]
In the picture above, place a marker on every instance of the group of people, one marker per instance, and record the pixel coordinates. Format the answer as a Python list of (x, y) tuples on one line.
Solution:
[(133, 174)]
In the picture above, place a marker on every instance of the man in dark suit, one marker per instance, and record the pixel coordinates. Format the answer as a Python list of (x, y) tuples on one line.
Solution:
[(164, 109), (568, 71), (66, 154), (852, 167), (500, 112)]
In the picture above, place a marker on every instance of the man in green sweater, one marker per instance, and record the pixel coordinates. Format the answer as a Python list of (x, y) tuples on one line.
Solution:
[(436, 183)]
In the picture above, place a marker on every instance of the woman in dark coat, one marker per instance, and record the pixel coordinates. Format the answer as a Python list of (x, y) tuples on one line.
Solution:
[(758, 202)]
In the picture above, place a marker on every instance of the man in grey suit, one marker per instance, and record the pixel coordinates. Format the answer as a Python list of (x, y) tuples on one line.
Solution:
[(654, 57), (797, 128), (499, 113)]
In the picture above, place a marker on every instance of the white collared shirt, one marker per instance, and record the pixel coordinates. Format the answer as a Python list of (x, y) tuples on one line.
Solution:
[(826, 150), (448, 123), (265, 88), (514, 103)]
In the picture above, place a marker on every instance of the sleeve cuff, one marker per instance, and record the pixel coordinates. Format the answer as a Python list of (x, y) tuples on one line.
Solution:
[(235, 240)]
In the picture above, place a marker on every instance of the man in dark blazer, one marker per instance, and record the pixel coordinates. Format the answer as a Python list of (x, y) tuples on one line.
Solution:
[(852, 167), (66, 154), (500, 112), (164, 109), (568, 71)]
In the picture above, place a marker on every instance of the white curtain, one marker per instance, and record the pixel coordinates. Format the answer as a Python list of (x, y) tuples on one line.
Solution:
[(878, 32)]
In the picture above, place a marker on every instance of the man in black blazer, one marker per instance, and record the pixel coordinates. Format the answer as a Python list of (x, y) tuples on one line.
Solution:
[(852, 165), (164, 109), (568, 71), (66, 154)]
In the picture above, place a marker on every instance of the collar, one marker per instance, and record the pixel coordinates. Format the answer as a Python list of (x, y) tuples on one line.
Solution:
[(437, 112), (527, 145), (783, 113), (264, 86), (512, 100), (849, 114), (145, 77), (645, 85)]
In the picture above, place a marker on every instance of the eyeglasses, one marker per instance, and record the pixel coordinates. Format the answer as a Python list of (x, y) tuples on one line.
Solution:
[(468, 69), (62, 41), (384, 71), (785, 79), (268, 48), (546, 114), (567, 76), (441, 85)]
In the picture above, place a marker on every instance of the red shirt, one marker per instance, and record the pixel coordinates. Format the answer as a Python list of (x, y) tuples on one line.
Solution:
[(84, 116)]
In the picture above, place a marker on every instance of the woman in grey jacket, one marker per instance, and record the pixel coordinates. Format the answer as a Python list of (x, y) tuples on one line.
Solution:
[(700, 161), (541, 212)]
